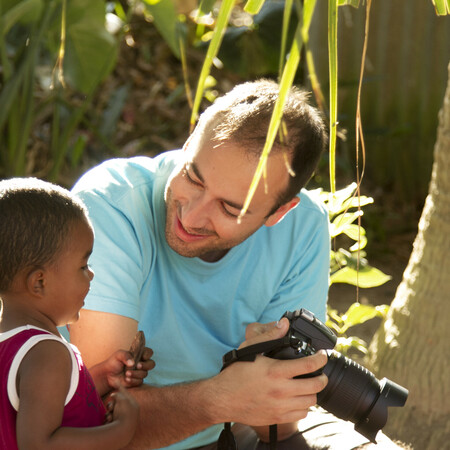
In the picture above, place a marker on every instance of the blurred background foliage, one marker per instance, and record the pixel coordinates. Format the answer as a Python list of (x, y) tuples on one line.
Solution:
[(85, 81), (122, 89)]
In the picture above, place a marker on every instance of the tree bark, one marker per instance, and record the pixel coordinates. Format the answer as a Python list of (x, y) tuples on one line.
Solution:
[(412, 346)]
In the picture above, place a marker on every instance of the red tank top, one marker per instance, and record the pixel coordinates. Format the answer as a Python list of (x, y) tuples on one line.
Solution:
[(83, 406)]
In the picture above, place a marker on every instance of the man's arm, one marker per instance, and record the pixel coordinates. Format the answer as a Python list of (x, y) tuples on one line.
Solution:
[(257, 394)]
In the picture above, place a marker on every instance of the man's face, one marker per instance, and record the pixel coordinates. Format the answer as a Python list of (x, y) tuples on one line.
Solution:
[(205, 195)]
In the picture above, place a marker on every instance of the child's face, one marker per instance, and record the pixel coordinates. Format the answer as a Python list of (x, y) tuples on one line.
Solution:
[(69, 277)]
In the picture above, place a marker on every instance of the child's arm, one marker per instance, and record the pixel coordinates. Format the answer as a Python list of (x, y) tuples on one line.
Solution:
[(43, 382), (120, 369)]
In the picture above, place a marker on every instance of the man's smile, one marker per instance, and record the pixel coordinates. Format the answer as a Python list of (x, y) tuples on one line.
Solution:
[(189, 236)]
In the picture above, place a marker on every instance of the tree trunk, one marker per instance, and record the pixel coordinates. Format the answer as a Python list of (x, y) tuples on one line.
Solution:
[(412, 346)]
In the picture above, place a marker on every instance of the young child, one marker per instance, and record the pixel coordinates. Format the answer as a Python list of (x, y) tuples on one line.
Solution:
[(48, 399)]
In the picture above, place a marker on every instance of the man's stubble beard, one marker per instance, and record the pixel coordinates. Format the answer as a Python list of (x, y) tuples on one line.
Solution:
[(188, 250)]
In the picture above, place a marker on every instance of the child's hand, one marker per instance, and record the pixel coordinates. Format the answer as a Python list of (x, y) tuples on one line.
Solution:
[(138, 370), (124, 409), (121, 369)]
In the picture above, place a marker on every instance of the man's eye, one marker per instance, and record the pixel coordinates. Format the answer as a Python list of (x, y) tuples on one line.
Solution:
[(189, 178), (229, 213)]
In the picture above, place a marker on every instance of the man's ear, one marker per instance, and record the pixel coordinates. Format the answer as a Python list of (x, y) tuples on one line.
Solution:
[(36, 282), (274, 218)]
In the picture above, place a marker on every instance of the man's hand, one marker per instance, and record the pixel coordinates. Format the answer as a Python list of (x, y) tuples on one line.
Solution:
[(259, 332), (265, 392)]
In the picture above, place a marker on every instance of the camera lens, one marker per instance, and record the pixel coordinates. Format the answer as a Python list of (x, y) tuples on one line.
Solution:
[(354, 393)]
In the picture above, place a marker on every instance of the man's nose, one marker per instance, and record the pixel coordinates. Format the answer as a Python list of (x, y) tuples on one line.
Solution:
[(196, 213)]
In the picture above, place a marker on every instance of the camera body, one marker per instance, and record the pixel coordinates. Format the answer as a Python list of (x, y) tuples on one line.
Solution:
[(307, 335), (353, 392)]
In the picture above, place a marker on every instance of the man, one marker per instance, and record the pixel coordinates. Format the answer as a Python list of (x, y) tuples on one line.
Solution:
[(171, 258)]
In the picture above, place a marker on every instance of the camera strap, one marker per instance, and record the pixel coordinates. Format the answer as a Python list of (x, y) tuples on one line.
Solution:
[(226, 439)]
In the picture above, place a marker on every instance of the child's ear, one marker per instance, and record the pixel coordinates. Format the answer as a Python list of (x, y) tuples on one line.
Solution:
[(36, 282)]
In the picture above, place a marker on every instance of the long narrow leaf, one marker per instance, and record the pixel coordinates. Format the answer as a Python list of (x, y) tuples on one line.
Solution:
[(253, 6), (308, 10), (284, 32), (219, 30), (354, 3), (285, 84), (333, 62), (442, 7)]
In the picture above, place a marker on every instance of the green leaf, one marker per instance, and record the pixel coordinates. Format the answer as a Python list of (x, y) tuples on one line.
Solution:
[(354, 231), (222, 21), (113, 111), (90, 56), (358, 245), (383, 310), (355, 202), (336, 199), (354, 3), (442, 7), (165, 19), (205, 7), (90, 50), (344, 344), (21, 11), (287, 79), (358, 313), (341, 222), (253, 6), (333, 75), (366, 278)]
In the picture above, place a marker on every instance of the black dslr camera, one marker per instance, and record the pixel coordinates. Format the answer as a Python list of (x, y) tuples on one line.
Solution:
[(353, 393)]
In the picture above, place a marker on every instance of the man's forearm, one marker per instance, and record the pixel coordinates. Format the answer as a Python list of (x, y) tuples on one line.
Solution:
[(172, 413)]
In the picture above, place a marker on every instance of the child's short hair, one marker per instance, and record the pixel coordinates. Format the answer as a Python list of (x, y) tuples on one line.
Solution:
[(35, 219)]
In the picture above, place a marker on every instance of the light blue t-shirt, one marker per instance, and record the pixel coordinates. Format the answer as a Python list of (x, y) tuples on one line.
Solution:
[(192, 311)]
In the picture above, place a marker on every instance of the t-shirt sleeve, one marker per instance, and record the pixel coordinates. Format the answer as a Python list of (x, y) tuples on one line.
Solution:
[(116, 259), (307, 281)]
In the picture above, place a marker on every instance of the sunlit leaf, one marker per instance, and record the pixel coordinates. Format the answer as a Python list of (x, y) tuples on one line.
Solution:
[(333, 71), (253, 6), (287, 79), (359, 244), (338, 225), (336, 199), (344, 344), (354, 3), (358, 313), (354, 231), (442, 7), (366, 278), (222, 21)]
